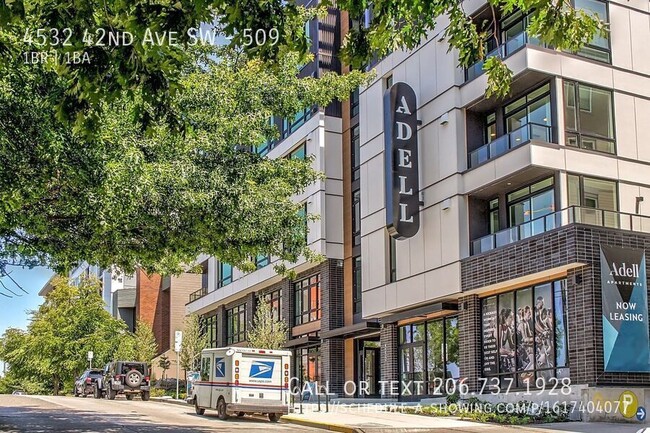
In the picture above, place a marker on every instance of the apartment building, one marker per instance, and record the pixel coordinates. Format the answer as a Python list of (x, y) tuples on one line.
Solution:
[(520, 253), (312, 303)]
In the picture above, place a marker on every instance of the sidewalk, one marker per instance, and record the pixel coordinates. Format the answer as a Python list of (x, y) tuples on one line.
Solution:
[(360, 419)]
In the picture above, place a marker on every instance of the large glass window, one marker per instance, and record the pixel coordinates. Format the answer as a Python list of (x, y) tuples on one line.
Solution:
[(208, 327), (494, 215), (224, 274), (527, 329), (356, 218), (307, 300), (529, 117), (428, 353), (299, 152), (530, 203), (308, 364), (588, 117), (262, 260), (598, 47), (597, 194), (355, 145), (236, 324), (354, 103), (274, 299), (356, 285)]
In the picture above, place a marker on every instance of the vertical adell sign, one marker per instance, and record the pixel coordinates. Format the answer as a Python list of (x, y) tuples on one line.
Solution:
[(626, 346), (401, 153)]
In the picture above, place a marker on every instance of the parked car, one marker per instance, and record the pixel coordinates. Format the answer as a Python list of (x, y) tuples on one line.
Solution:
[(123, 377), (19, 392), (86, 383)]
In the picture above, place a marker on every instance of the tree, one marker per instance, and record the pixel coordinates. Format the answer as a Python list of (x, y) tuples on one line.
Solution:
[(71, 322), (138, 346), (164, 363), (194, 341), (265, 331), (158, 197)]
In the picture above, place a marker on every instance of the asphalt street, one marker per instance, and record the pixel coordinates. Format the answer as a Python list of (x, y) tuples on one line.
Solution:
[(35, 414)]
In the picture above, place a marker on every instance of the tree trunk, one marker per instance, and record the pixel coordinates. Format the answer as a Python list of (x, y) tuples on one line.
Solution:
[(55, 383)]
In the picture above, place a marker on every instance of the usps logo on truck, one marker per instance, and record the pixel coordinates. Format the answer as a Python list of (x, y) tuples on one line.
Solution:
[(220, 367), (261, 370)]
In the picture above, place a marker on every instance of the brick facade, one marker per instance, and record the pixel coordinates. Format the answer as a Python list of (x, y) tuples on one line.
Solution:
[(574, 244), (152, 306), (469, 340), (388, 353)]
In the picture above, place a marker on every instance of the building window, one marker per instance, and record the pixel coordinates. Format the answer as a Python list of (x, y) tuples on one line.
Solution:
[(597, 199), (299, 152), (529, 117), (236, 324), (392, 257), (307, 299), (494, 216), (490, 127), (598, 47), (262, 260), (289, 126), (428, 353), (224, 274), (524, 335), (588, 117), (274, 299), (208, 327), (354, 103), (356, 152), (529, 204), (388, 81), (356, 218), (308, 364), (356, 285)]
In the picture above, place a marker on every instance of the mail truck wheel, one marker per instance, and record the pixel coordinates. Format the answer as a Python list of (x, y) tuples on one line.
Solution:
[(221, 409), (197, 409), (274, 417)]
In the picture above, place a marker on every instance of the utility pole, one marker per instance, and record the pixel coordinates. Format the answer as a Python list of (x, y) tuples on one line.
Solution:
[(90, 358)]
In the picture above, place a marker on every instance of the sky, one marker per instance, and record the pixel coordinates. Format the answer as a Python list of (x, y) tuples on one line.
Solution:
[(13, 311)]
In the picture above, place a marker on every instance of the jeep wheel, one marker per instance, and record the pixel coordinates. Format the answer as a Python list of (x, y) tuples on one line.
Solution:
[(274, 417), (221, 409), (74, 392), (96, 392), (145, 396), (129, 396), (240, 414), (197, 409), (111, 393)]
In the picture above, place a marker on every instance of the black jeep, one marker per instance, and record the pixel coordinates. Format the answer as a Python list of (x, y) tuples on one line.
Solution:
[(123, 377)]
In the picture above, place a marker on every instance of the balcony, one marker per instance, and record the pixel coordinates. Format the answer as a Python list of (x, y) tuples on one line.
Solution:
[(499, 146), (504, 50), (198, 294), (570, 215)]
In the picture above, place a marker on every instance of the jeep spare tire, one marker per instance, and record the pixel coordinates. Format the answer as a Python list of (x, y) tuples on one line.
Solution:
[(133, 378)]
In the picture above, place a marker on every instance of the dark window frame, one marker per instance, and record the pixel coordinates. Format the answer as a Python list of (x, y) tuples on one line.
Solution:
[(356, 285), (222, 280), (236, 315), (355, 151), (356, 217), (305, 313), (274, 299)]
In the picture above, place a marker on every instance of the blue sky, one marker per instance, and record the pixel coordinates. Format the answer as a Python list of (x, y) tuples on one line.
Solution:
[(13, 311)]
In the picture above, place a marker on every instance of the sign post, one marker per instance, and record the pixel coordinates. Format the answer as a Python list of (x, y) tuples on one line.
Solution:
[(90, 358), (178, 340)]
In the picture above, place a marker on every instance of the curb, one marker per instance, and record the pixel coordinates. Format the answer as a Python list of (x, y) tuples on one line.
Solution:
[(321, 425), (170, 401)]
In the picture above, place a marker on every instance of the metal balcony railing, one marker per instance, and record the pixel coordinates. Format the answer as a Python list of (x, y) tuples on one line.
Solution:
[(569, 215), (504, 50), (198, 294), (499, 146)]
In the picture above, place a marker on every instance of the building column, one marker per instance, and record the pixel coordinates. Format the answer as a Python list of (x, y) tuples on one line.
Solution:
[(251, 308), (469, 340), (332, 352), (388, 357), (332, 349), (221, 326)]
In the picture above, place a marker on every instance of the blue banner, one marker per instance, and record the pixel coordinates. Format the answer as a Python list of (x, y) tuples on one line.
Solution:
[(626, 346)]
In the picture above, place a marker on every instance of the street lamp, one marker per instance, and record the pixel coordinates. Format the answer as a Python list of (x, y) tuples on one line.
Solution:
[(90, 358)]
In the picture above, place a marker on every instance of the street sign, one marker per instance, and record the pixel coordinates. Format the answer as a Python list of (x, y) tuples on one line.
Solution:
[(90, 355), (178, 340), (640, 413)]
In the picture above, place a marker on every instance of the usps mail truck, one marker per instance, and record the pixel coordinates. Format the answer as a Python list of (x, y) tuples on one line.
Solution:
[(243, 380)]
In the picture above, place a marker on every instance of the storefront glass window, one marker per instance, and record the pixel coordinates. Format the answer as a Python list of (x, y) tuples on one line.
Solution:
[(531, 338)]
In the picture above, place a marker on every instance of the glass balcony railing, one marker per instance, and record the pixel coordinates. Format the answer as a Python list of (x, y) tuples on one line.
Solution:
[(504, 50), (570, 215), (499, 146)]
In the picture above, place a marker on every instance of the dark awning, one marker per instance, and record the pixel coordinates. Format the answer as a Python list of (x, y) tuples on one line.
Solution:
[(352, 330), (301, 341), (438, 307)]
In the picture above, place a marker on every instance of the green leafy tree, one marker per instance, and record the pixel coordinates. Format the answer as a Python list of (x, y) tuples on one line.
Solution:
[(71, 322), (164, 363), (138, 346), (265, 331), (194, 341), (157, 197)]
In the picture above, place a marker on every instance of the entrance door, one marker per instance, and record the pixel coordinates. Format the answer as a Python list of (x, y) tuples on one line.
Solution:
[(369, 371), (412, 363)]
